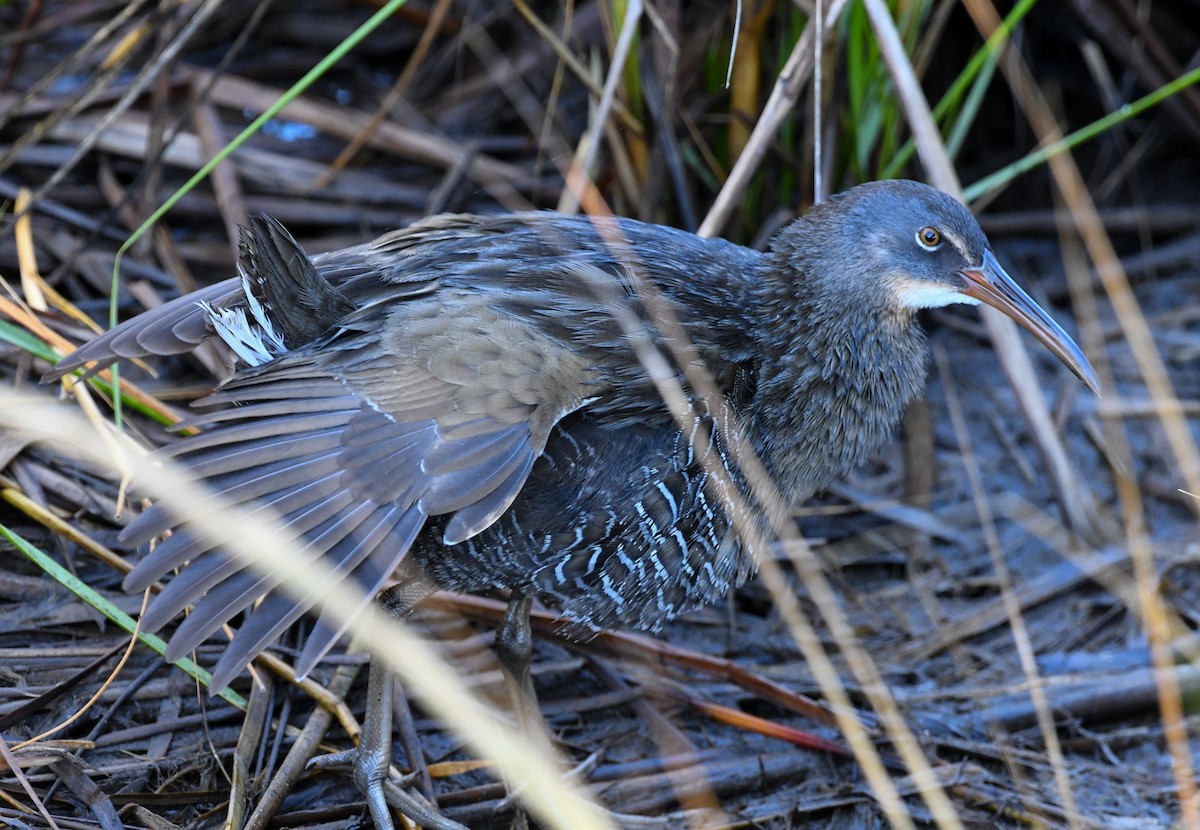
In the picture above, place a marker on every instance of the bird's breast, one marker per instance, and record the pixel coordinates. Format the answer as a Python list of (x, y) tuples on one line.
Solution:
[(825, 407)]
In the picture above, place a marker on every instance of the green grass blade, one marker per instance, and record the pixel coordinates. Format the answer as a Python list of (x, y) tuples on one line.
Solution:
[(1040, 156), (971, 83), (126, 622), (966, 117), (27, 341), (24, 339)]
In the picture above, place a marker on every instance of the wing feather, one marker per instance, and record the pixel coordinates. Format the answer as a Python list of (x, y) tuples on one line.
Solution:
[(422, 393)]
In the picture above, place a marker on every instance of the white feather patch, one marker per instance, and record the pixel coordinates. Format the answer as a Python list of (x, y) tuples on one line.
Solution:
[(255, 343), (917, 294)]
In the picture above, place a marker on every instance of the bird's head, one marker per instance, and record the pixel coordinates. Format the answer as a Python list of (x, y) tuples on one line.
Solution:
[(911, 246)]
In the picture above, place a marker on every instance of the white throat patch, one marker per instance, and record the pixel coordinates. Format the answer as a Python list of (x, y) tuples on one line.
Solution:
[(916, 294)]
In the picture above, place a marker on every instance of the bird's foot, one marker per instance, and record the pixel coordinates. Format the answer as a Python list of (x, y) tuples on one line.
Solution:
[(370, 762), (370, 768)]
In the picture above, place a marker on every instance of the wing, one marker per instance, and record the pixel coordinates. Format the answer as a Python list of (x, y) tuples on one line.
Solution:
[(173, 328), (468, 339), (421, 401), (354, 441)]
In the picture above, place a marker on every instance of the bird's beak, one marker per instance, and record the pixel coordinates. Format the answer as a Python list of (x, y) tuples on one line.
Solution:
[(990, 284)]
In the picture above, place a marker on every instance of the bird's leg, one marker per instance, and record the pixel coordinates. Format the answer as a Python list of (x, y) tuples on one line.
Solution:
[(514, 647), (371, 761)]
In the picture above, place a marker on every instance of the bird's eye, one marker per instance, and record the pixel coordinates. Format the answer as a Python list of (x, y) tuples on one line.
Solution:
[(929, 238)]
